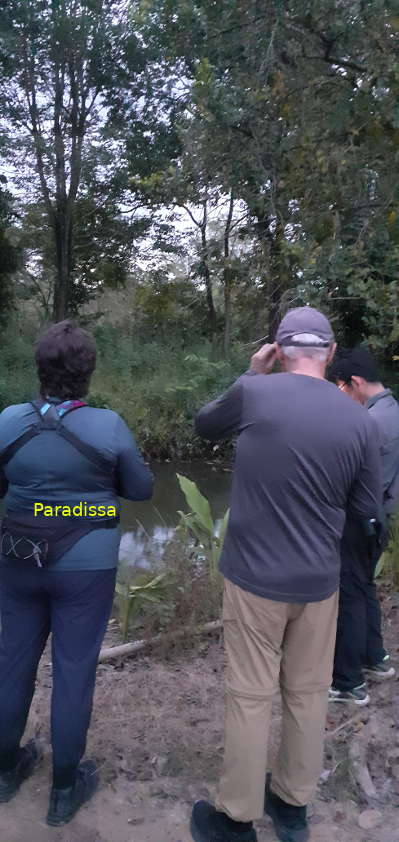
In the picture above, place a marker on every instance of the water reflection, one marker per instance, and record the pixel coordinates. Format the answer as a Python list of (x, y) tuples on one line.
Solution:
[(148, 527), (142, 550)]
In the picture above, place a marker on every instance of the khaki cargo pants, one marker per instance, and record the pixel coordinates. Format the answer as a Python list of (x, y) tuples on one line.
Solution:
[(271, 644)]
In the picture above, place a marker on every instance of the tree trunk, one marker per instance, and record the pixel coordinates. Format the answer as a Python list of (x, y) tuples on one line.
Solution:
[(209, 298), (227, 280), (276, 280), (274, 292), (206, 274), (61, 285), (227, 315), (69, 84), (63, 251)]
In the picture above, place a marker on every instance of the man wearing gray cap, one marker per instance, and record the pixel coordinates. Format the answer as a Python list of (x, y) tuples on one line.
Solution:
[(305, 456)]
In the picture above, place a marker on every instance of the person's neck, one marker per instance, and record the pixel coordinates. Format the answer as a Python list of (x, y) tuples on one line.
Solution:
[(306, 366), (371, 390)]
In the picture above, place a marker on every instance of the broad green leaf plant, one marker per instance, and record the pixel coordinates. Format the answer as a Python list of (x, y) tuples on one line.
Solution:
[(132, 598), (208, 534)]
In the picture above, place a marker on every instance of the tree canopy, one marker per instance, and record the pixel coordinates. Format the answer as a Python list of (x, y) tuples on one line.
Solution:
[(247, 150)]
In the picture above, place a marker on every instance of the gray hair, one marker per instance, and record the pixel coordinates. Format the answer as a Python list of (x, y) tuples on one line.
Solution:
[(294, 352), (306, 345)]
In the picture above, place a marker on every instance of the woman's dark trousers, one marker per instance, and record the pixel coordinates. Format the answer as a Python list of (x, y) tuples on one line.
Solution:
[(75, 607)]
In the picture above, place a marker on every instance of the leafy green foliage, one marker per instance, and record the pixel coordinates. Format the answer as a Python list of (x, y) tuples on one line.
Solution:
[(17, 357), (10, 254), (292, 108), (289, 111), (208, 535), (155, 387), (132, 597), (64, 62), (158, 387)]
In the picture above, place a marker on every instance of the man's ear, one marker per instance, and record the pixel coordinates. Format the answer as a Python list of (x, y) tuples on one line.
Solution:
[(357, 382), (279, 354), (331, 353)]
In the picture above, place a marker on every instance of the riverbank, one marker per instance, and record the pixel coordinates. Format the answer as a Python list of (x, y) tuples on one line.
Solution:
[(157, 734)]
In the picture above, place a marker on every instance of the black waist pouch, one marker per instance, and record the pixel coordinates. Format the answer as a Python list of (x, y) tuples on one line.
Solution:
[(40, 541)]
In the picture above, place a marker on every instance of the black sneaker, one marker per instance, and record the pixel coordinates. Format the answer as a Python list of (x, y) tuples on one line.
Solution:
[(290, 822), (65, 803), (381, 671), (10, 782), (208, 825), (358, 695)]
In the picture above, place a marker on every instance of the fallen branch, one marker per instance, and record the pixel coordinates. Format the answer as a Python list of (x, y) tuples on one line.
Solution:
[(359, 767), (126, 649)]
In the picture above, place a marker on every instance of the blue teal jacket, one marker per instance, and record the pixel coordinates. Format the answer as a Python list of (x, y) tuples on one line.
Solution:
[(48, 468)]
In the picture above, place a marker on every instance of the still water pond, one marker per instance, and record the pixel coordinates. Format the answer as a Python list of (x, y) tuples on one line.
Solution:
[(147, 527)]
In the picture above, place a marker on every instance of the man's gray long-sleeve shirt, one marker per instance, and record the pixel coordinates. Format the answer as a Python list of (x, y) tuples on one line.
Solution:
[(384, 410), (306, 455)]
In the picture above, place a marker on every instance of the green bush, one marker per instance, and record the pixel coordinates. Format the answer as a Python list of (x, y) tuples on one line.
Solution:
[(18, 381), (155, 387), (158, 388)]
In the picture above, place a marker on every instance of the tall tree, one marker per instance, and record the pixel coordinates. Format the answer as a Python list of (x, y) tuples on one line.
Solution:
[(296, 106), (63, 58)]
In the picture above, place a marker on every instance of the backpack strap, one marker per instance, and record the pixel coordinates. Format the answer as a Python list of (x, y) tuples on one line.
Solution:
[(56, 424), (59, 410), (63, 409), (12, 448), (91, 453)]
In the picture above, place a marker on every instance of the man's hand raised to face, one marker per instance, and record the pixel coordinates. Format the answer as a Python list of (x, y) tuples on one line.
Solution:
[(263, 361)]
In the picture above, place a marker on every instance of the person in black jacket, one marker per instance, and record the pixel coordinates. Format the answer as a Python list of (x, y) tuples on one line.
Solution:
[(360, 651)]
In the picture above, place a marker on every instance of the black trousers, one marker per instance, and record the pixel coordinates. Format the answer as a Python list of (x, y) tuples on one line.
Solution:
[(75, 606), (359, 638)]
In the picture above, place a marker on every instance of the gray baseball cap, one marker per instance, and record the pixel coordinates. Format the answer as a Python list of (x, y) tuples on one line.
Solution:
[(306, 327)]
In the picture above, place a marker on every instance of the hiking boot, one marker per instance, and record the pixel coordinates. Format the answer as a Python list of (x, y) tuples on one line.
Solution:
[(65, 803), (290, 822), (208, 825), (381, 671), (11, 781), (359, 695)]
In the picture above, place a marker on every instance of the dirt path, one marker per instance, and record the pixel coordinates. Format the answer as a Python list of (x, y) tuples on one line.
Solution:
[(157, 735)]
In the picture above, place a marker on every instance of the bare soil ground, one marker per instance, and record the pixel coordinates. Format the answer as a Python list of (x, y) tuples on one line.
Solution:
[(157, 734)]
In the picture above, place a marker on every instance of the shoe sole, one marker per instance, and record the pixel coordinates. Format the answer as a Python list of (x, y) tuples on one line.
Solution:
[(359, 703), (6, 797), (53, 823), (380, 676)]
